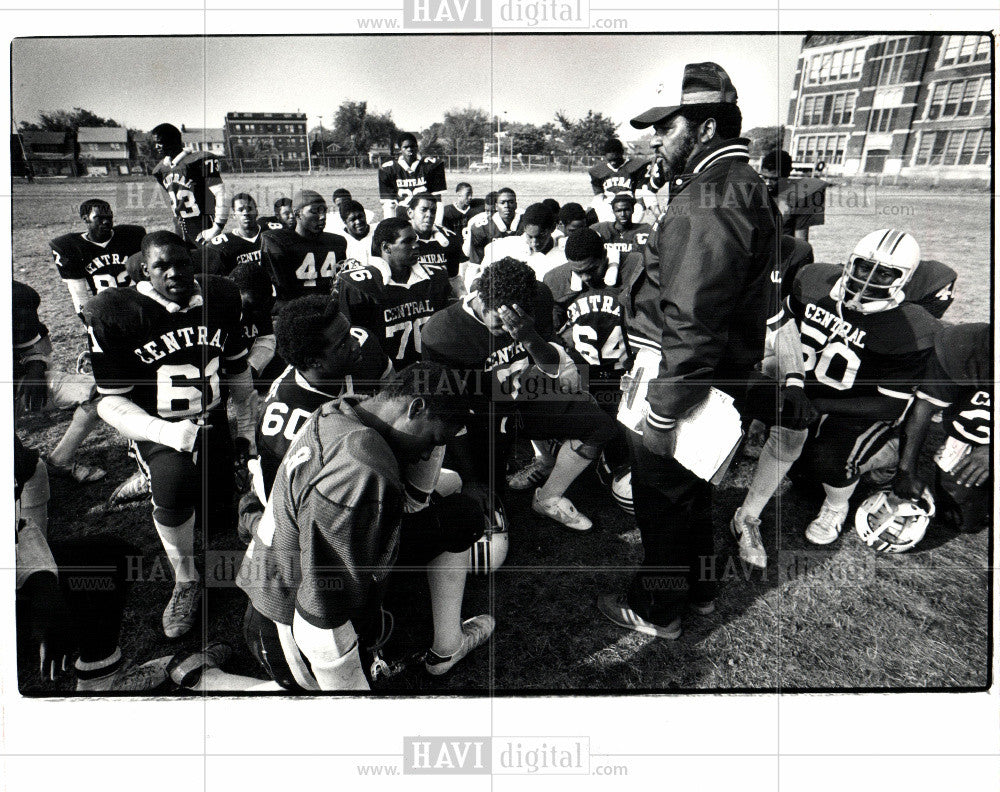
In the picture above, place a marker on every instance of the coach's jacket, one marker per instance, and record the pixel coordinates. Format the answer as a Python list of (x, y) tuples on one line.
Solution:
[(701, 293)]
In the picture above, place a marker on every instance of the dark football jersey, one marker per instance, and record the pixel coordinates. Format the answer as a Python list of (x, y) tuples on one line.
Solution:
[(498, 365), (395, 312), (330, 532), (794, 253), (28, 329), (255, 323), (455, 220), (441, 248), (270, 223), (620, 243), (627, 178), (856, 355), (291, 400), (400, 182), (187, 185), (959, 379), (101, 266), (168, 361), (233, 250), (482, 233), (589, 320), (299, 266), (932, 285)]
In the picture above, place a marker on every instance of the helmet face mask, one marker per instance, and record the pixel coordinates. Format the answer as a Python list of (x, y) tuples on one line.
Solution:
[(889, 524), (876, 273)]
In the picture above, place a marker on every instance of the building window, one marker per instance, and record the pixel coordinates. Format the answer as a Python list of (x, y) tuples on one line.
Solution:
[(881, 119), (957, 147), (960, 98), (965, 49), (969, 146), (985, 145), (894, 64)]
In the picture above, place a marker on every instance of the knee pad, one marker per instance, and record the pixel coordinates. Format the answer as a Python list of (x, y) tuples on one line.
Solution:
[(171, 518), (786, 444)]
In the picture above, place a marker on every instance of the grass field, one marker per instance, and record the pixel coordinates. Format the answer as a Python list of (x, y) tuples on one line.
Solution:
[(835, 618)]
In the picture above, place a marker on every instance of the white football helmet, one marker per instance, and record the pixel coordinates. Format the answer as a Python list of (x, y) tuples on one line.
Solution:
[(621, 489), (490, 550), (877, 271), (890, 524)]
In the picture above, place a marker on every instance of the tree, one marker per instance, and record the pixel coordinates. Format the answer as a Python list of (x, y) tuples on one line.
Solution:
[(588, 135), (356, 130), (764, 140), (465, 128), (67, 121), (531, 138)]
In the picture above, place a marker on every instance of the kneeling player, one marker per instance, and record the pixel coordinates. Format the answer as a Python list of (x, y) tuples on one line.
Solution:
[(959, 380), (161, 352), (502, 333), (321, 553)]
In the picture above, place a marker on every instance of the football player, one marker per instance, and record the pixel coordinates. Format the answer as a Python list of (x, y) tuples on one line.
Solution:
[(483, 229), (283, 216), (865, 349), (336, 221), (358, 234), (258, 330), (437, 245), (36, 386), (305, 260), (394, 295), (192, 181), (621, 236), (162, 353), (620, 174), (534, 245), (501, 336), (959, 381), (327, 359), (410, 175), (242, 244), (316, 568), (95, 260), (570, 217), (455, 216)]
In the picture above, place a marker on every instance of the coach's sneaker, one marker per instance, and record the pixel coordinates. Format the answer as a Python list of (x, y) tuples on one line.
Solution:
[(616, 608), (180, 612), (562, 511), (475, 632), (185, 670), (531, 475), (746, 531), (827, 526)]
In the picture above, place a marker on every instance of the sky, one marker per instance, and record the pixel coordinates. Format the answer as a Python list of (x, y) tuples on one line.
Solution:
[(141, 82)]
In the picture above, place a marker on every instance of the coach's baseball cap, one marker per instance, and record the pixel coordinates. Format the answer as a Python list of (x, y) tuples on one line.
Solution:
[(306, 198), (703, 84)]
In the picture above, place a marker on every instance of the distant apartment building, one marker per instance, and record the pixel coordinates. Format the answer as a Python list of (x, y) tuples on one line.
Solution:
[(208, 139), (49, 153), (907, 105), (103, 150), (276, 137)]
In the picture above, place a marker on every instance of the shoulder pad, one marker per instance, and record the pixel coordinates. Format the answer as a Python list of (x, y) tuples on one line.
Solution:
[(61, 241), (908, 328), (387, 165), (815, 281)]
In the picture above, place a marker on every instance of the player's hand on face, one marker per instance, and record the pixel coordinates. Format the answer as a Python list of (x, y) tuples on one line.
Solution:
[(974, 468), (50, 626), (517, 322), (908, 485)]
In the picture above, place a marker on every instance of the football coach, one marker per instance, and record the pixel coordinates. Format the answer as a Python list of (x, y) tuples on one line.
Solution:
[(699, 300)]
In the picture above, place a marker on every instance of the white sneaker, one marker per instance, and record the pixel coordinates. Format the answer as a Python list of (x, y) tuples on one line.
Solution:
[(135, 486), (178, 617), (562, 511), (827, 526), (475, 632), (132, 679), (746, 531), (531, 475)]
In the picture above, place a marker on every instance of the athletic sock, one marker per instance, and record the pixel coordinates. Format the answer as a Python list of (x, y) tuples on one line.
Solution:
[(99, 674), (838, 497), (569, 465), (178, 542)]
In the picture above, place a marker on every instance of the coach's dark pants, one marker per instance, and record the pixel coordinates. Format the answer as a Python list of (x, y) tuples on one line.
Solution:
[(673, 509)]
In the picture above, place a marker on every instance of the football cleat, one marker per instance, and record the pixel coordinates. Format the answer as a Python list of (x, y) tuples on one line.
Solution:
[(179, 615), (827, 526), (616, 608), (185, 670), (531, 475), (890, 524), (490, 550), (746, 532), (135, 486), (877, 271), (475, 632), (562, 511), (621, 489)]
